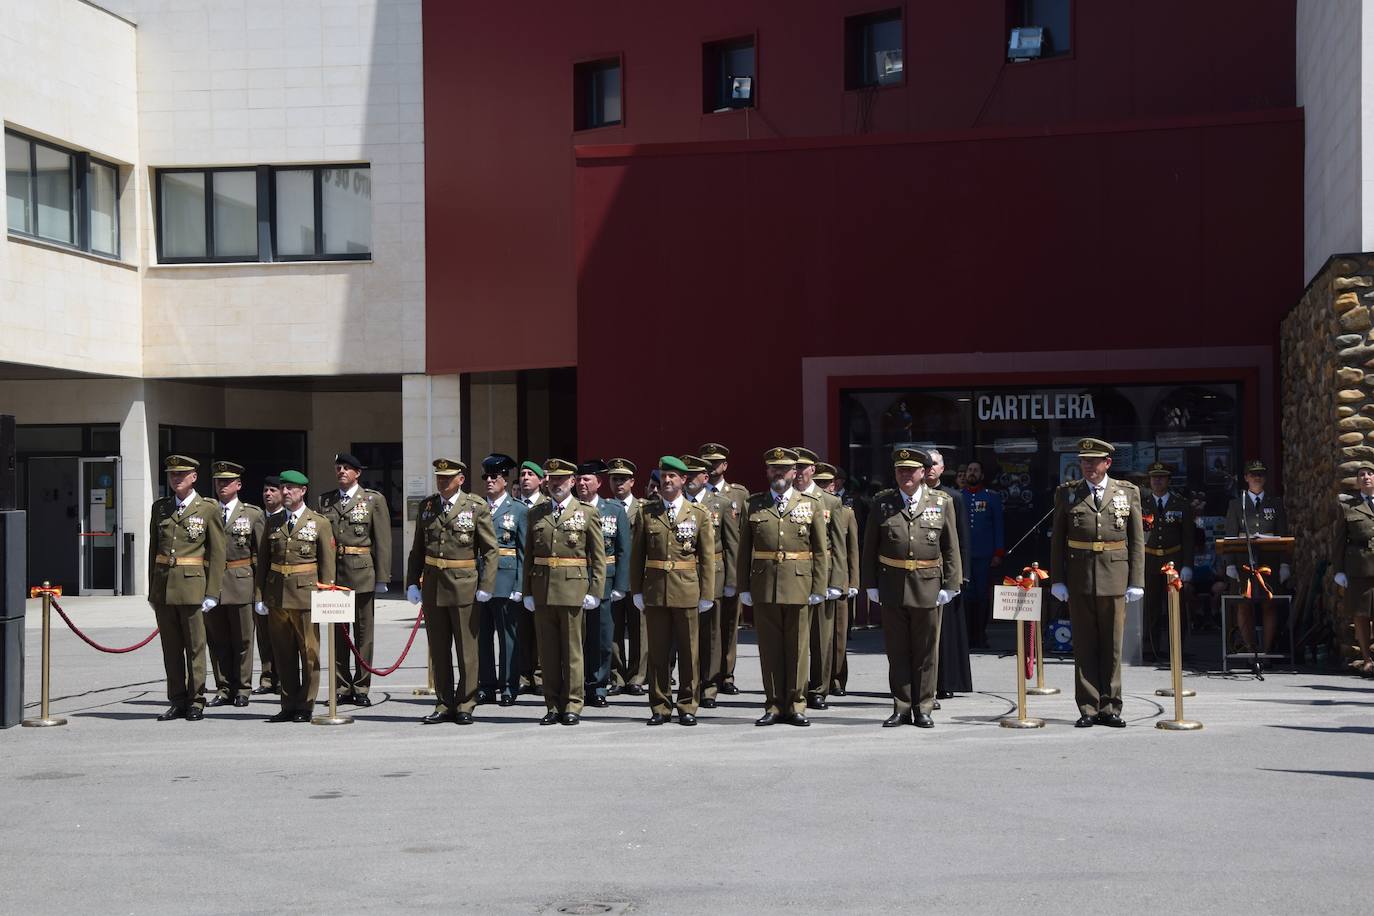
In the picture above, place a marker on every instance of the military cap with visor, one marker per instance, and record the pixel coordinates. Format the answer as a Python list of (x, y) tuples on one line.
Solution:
[(179, 463), (780, 455), (497, 463), (714, 451), (1095, 448), (908, 457), (226, 470), (622, 466), (449, 467), (557, 467), (1159, 469)]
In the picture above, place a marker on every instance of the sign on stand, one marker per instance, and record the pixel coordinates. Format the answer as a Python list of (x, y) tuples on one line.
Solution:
[(331, 607), (1010, 602)]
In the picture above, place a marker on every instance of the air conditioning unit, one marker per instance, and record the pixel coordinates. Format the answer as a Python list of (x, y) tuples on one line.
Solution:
[(741, 88), (1027, 43), (887, 66)]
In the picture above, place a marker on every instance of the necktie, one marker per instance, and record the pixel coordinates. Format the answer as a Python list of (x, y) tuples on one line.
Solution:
[(1097, 497), (672, 512), (290, 524), (711, 487), (557, 512), (226, 515), (1369, 501), (529, 501), (780, 499)]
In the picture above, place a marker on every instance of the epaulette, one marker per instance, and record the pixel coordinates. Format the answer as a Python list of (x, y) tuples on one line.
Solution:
[(881, 494)]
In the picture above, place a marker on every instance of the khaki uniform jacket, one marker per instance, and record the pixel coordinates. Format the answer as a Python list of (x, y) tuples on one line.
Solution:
[(766, 532), (309, 544), (926, 539), (1352, 546), (689, 542), (834, 536), (362, 533), (576, 535), (462, 531), (1169, 533), (197, 534), (851, 545), (1265, 519), (243, 541), (725, 532), (1089, 571)]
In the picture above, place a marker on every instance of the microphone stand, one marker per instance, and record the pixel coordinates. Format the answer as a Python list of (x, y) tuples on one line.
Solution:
[(1029, 532), (1250, 576)]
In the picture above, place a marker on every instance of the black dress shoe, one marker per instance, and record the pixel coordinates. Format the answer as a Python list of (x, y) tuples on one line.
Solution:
[(1084, 722), (282, 716), (686, 718), (767, 718), (569, 718), (657, 718), (839, 692), (240, 702), (944, 694), (897, 718), (506, 700), (437, 716), (550, 718), (483, 697), (218, 700), (613, 690), (264, 689), (195, 714), (176, 712), (462, 718), (923, 720), (937, 705), (634, 690), (343, 699), (361, 700), (798, 719), (1112, 720), (598, 701), (729, 690), (708, 703), (300, 717), (816, 703)]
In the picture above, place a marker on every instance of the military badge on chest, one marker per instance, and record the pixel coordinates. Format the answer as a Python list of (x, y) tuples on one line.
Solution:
[(932, 515), (464, 525), (1121, 510), (241, 530), (686, 532), (507, 528), (1268, 513), (358, 516), (195, 527), (308, 532), (801, 515), (574, 525)]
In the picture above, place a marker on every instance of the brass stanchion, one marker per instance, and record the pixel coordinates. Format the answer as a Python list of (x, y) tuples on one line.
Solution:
[(1178, 723), (333, 718), (428, 689), (1021, 720), (45, 719), (1040, 690)]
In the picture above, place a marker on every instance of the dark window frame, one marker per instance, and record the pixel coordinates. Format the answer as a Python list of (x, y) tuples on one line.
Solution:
[(584, 94), (79, 174), (1016, 18), (713, 75), (318, 188), (857, 29)]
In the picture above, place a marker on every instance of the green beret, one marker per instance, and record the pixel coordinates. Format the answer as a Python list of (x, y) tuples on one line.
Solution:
[(672, 463), (295, 477), (531, 466)]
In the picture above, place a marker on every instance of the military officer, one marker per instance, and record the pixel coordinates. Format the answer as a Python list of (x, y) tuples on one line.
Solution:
[(185, 571), (229, 626), (529, 491), (672, 574), (1168, 523), (783, 546), (451, 568), (501, 615), (1352, 560), (717, 458), (823, 615), (1097, 563), (630, 650), (828, 477), (295, 556), (1262, 517), (564, 577), (361, 521), (599, 626), (912, 567), (724, 520), (274, 513)]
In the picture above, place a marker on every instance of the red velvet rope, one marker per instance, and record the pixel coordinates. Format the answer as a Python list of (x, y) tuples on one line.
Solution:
[(91, 642), (383, 672), (1030, 650)]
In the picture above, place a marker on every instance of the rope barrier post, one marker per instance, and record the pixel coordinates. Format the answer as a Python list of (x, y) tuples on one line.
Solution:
[(1175, 638), (45, 719), (1018, 600), (333, 718), (1021, 720), (428, 689), (1178, 723), (1040, 690)]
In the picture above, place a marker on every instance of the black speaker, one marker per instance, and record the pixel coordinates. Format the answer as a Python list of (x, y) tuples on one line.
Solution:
[(13, 552), (9, 471)]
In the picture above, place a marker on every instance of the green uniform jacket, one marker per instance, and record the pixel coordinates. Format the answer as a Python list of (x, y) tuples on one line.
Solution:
[(462, 531), (577, 535), (362, 521), (929, 534), (689, 542), (1102, 573), (1352, 546), (311, 543), (198, 533), (1170, 530), (725, 530), (834, 536), (798, 528), (243, 541), (851, 544)]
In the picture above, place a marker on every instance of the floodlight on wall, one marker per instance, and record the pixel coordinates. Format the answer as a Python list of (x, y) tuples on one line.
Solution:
[(1027, 43), (741, 88)]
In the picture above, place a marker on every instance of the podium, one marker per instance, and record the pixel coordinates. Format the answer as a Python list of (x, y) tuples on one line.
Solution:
[(1236, 552)]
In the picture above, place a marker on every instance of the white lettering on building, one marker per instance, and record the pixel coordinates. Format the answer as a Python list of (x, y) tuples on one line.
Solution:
[(1036, 407)]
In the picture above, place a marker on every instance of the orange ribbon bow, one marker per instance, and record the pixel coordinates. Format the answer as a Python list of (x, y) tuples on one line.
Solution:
[(39, 590), (1030, 577), (1171, 576), (1256, 577), (1149, 521), (331, 587)]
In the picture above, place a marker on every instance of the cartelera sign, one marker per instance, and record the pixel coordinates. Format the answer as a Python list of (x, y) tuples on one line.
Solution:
[(1058, 406)]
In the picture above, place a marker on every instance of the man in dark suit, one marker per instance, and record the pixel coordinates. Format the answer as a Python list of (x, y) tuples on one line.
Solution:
[(501, 615)]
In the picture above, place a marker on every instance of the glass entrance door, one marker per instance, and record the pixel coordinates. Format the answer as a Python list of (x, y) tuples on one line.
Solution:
[(101, 532)]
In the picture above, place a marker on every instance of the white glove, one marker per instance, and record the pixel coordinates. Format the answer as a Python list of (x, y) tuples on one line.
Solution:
[(1285, 572), (873, 595), (944, 597), (590, 602), (1186, 573), (381, 588), (483, 597), (413, 594), (1134, 593), (814, 599), (616, 594), (833, 594), (1342, 580), (729, 592), (529, 603), (1060, 591), (208, 604), (260, 609), (1232, 573), (515, 596), (852, 592), (704, 606), (639, 602), (746, 599)]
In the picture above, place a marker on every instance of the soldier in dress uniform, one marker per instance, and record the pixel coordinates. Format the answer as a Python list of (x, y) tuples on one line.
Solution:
[(725, 536), (783, 546), (630, 648), (717, 458), (1261, 517), (672, 576), (452, 568), (361, 522), (501, 615), (564, 577), (911, 566), (823, 615), (1097, 563), (1352, 560), (274, 513), (185, 570), (229, 626), (295, 555), (827, 477), (1168, 522), (529, 491), (599, 625)]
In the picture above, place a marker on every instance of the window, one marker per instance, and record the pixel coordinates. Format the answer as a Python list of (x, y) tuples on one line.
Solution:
[(1053, 17), (264, 213), (596, 94), (728, 79), (873, 50), (61, 195)]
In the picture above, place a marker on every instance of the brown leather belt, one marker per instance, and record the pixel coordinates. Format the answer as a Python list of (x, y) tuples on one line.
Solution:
[(441, 563), (909, 564), (238, 564), (670, 565), (356, 551), (1162, 551), (290, 569), (507, 551), (1097, 546), (559, 561), (180, 561), (778, 556)]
